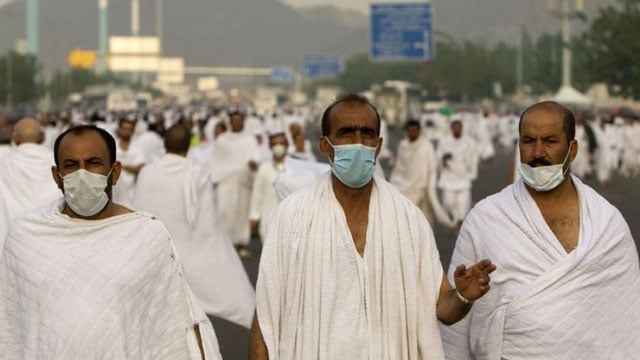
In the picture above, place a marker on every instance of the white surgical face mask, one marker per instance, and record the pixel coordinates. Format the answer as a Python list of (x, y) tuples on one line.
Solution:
[(544, 178), (278, 150), (353, 164), (84, 192)]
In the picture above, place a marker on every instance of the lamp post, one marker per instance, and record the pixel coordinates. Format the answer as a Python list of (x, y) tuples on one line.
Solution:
[(103, 32)]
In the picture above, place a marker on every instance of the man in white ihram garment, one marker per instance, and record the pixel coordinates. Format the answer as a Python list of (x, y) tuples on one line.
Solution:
[(233, 168), (86, 278), (416, 169), (568, 282), (350, 269), (25, 175), (263, 195), (132, 159), (604, 156), (179, 193), (458, 158)]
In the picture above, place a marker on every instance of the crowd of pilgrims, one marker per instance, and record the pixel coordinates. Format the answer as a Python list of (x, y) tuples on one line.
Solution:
[(233, 143)]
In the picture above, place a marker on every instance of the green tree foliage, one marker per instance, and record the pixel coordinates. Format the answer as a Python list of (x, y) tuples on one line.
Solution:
[(18, 79), (542, 62), (611, 48), (76, 80), (459, 71)]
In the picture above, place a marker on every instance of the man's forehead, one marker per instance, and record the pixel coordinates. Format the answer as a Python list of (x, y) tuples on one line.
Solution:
[(82, 145), (353, 110), (542, 118)]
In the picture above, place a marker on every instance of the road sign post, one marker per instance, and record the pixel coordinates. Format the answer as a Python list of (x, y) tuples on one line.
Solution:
[(321, 66), (401, 31)]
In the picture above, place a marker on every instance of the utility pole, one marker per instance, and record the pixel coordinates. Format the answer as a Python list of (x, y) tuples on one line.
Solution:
[(159, 23), (566, 14), (9, 74), (32, 27), (135, 28), (103, 31)]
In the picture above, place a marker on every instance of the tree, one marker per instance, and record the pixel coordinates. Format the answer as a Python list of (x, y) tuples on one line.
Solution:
[(18, 74), (76, 80), (611, 47)]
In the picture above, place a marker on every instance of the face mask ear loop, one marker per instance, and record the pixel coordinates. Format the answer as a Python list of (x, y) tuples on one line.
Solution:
[(330, 144), (566, 157)]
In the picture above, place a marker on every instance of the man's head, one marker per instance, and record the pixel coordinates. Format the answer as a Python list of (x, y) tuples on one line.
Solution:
[(177, 140), (299, 142), (219, 129), (348, 99), (547, 129), (88, 148), (27, 130), (278, 144), (125, 129), (236, 120), (412, 127), (456, 128), (351, 128), (294, 129), (567, 117)]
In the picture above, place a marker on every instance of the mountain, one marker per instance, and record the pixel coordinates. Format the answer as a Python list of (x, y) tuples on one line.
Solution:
[(258, 33), (263, 33)]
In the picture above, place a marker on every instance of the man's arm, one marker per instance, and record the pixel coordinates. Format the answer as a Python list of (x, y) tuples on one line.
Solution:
[(258, 349), (472, 283)]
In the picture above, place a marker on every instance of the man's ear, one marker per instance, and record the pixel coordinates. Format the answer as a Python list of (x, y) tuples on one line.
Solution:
[(56, 177), (379, 147), (116, 169), (325, 147), (574, 150)]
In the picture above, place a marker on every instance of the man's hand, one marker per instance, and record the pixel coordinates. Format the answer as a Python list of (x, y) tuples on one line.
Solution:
[(473, 282)]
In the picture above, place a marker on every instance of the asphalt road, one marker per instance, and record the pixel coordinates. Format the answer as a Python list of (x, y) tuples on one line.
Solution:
[(493, 176)]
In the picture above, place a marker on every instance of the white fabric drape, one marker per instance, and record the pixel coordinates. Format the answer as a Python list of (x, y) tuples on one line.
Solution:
[(96, 289), (179, 193), (234, 180), (318, 299), (543, 302), (25, 183)]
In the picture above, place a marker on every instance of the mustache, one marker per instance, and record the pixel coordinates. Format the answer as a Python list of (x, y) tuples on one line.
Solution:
[(539, 162)]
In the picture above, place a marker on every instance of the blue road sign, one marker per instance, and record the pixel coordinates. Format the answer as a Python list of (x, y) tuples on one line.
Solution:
[(282, 74), (321, 66), (401, 31)]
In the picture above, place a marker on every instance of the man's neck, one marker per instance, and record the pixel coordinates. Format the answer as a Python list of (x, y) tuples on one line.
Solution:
[(111, 209), (349, 197), (566, 191), (181, 154)]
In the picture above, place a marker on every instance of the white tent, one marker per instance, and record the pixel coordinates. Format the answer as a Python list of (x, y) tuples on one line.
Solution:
[(569, 95)]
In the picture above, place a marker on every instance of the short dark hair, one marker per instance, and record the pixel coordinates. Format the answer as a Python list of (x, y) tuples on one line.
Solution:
[(79, 130), (236, 112), (412, 122), (568, 119), (177, 139), (124, 120), (346, 98)]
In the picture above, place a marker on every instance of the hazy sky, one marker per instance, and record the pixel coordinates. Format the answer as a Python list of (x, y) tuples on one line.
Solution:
[(360, 5)]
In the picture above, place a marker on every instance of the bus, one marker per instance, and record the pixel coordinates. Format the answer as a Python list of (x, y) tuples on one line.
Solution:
[(398, 101)]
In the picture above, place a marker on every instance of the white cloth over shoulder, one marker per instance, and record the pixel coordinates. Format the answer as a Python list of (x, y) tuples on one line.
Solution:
[(298, 174), (317, 298), (545, 303), (180, 194), (96, 289), (25, 183)]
